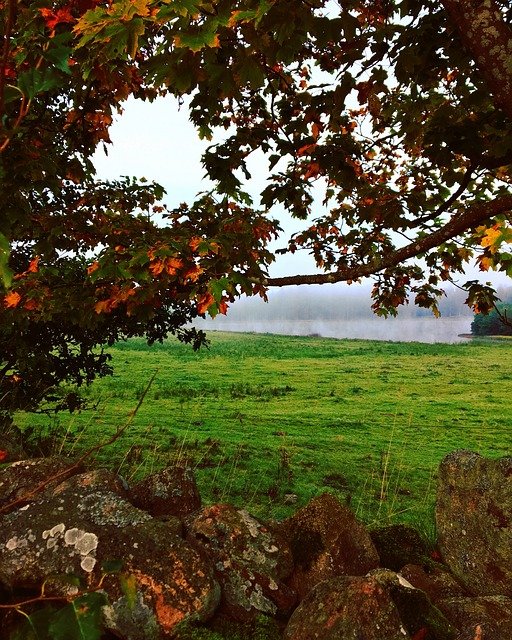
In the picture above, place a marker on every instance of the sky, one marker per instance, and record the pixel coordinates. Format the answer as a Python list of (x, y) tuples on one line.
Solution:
[(156, 141)]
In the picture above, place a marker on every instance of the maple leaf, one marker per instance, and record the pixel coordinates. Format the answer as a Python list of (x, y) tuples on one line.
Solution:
[(204, 302), (62, 15), (3, 454), (12, 299)]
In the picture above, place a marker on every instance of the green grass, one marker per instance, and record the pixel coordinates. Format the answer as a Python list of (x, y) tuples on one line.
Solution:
[(260, 416)]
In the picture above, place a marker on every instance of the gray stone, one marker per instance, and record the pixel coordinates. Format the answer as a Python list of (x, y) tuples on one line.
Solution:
[(474, 521), (251, 561), (172, 491), (20, 479), (78, 530)]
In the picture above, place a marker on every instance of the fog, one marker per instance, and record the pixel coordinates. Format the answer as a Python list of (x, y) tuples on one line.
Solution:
[(339, 311)]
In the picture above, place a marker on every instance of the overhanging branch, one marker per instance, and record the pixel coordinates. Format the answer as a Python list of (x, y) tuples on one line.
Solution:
[(458, 224)]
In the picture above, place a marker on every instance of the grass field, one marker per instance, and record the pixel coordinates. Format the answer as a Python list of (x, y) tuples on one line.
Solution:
[(263, 416)]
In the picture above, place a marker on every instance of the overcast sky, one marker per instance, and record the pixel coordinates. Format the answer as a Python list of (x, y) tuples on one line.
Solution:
[(156, 141)]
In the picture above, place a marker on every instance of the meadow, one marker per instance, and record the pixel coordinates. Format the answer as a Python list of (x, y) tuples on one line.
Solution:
[(270, 421)]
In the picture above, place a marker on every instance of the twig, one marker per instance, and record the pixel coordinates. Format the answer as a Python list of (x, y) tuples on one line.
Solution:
[(77, 464)]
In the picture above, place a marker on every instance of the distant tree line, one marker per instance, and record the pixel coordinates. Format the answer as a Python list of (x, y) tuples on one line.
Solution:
[(497, 323)]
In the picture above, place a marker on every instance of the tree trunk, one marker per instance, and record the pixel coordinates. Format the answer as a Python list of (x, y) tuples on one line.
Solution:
[(485, 34)]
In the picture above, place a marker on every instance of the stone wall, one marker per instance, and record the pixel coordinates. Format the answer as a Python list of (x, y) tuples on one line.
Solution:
[(318, 574)]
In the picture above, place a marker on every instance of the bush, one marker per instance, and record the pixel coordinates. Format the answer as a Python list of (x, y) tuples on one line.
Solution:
[(497, 323)]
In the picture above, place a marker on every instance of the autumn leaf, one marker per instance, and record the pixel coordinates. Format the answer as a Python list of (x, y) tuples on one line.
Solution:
[(12, 299), (3, 454), (60, 16), (95, 265), (204, 301), (491, 237), (33, 267)]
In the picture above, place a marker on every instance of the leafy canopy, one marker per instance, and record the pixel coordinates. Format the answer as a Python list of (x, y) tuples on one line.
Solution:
[(386, 126)]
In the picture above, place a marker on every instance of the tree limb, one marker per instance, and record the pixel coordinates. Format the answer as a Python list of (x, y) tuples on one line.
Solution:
[(458, 224)]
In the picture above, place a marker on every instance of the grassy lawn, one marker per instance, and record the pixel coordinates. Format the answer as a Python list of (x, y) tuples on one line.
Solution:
[(262, 416)]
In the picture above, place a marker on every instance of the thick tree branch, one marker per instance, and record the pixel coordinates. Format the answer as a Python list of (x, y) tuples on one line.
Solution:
[(488, 38), (458, 224)]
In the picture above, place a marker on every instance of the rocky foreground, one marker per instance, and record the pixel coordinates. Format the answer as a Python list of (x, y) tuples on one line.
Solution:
[(318, 574)]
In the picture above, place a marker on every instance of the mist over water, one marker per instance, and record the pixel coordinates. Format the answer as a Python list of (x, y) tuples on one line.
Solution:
[(343, 312), (431, 330)]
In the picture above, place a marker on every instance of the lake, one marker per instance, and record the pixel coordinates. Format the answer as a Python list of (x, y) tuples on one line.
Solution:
[(430, 330)]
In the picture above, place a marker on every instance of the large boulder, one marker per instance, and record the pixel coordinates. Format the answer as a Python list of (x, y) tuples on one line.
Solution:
[(347, 607), (378, 606), (481, 618), (327, 541), (251, 561), (170, 492), (28, 480), (435, 580), (419, 616), (474, 521), (81, 529)]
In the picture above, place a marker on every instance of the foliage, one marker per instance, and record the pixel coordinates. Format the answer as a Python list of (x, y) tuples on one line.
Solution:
[(395, 115), (496, 323)]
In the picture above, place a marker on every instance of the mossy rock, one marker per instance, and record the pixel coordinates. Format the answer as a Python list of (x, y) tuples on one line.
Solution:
[(401, 544)]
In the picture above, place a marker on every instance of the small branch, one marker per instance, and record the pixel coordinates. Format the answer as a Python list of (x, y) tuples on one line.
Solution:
[(5, 53), (457, 225), (77, 464), (42, 598)]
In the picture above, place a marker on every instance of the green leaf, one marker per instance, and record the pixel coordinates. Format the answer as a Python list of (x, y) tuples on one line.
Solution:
[(128, 584), (80, 619), (59, 57), (12, 93), (6, 275), (36, 81), (112, 566)]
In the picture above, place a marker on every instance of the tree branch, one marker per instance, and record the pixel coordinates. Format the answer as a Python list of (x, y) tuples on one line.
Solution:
[(488, 38), (458, 224)]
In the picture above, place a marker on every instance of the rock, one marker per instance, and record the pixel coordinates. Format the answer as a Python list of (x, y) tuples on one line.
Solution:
[(347, 607), (20, 478), (78, 530), (474, 521), (100, 479), (417, 613), (327, 541), (400, 544), (481, 618), (435, 580), (251, 561), (172, 491)]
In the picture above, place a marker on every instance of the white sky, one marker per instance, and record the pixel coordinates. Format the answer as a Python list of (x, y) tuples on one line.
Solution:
[(156, 141)]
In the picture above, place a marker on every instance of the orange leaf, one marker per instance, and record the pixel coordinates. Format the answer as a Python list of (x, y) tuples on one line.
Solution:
[(12, 299), (223, 307), (103, 306), (203, 302), (33, 268), (32, 304), (95, 265), (172, 264)]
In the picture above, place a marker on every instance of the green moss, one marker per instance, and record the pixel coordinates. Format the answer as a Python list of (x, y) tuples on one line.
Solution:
[(260, 628)]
